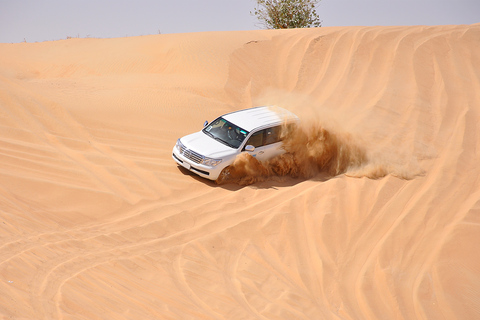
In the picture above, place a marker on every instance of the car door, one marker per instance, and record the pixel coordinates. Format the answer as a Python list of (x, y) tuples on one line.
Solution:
[(266, 142), (272, 145)]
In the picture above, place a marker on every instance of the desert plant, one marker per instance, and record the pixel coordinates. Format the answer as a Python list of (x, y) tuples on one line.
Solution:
[(284, 14)]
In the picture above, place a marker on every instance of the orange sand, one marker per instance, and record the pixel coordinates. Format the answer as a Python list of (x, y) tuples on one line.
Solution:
[(97, 221)]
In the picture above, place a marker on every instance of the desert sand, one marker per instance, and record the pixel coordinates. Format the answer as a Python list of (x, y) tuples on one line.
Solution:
[(98, 222)]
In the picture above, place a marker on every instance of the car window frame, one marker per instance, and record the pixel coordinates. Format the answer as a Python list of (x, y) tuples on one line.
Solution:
[(264, 138)]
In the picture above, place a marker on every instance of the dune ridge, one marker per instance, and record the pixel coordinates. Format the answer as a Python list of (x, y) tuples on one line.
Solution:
[(97, 221)]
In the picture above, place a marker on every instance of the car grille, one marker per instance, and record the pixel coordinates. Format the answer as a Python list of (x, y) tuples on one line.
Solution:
[(192, 155)]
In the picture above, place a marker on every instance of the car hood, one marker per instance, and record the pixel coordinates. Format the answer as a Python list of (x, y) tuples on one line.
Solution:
[(207, 146)]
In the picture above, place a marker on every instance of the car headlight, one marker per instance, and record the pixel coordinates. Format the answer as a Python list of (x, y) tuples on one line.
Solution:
[(211, 162), (179, 145)]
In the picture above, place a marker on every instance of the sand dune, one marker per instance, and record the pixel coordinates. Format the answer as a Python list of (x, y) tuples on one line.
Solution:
[(97, 221)]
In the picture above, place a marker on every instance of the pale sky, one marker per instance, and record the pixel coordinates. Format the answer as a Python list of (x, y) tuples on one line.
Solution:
[(45, 20)]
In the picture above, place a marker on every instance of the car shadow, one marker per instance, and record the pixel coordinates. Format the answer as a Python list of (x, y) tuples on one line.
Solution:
[(269, 183), (210, 183)]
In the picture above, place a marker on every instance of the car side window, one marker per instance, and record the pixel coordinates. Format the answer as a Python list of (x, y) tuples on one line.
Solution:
[(256, 139), (272, 135)]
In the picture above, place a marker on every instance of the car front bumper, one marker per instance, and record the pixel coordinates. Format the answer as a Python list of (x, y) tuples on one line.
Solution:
[(203, 171)]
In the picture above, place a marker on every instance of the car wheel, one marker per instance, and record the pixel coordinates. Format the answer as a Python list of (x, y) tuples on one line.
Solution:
[(224, 175)]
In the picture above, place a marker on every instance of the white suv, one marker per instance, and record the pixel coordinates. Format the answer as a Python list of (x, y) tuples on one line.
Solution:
[(255, 130)]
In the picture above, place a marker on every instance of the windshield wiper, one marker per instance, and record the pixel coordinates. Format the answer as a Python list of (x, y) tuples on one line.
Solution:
[(225, 142), (219, 139), (208, 134)]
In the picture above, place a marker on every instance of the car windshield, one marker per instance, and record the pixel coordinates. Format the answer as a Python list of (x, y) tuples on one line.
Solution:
[(225, 132)]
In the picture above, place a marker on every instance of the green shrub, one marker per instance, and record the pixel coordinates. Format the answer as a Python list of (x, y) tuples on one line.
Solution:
[(284, 14)]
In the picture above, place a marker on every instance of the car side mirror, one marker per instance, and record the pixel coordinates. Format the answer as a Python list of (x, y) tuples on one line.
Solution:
[(205, 123), (249, 148)]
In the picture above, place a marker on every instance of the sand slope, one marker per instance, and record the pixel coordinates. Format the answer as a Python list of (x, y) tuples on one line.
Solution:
[(97, 222)]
